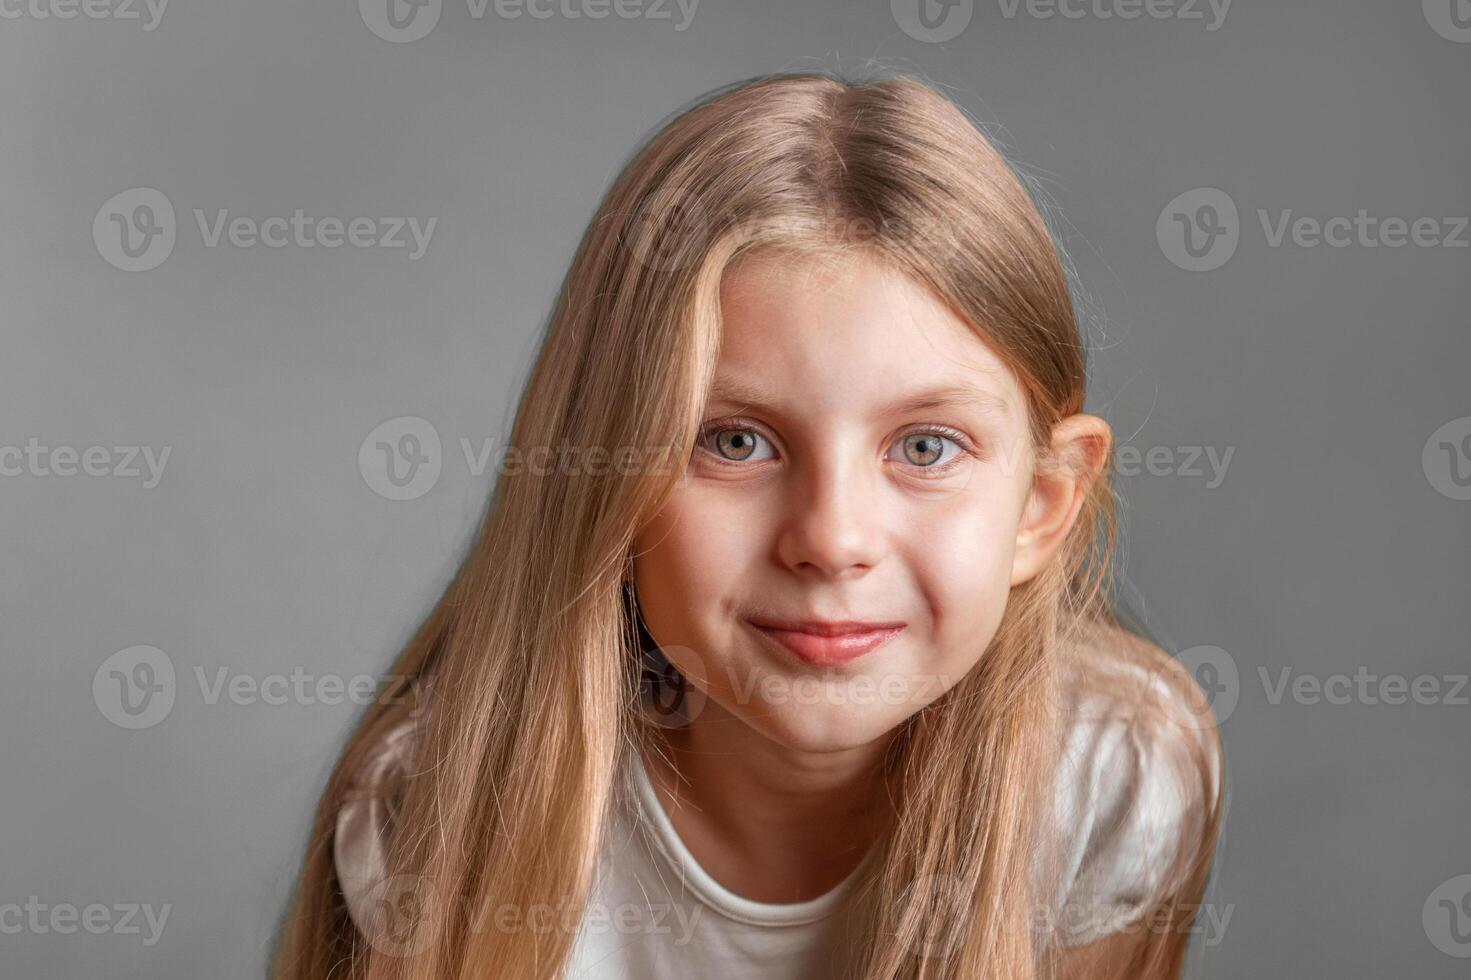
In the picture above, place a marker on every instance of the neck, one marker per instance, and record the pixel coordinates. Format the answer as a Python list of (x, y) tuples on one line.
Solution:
[(768, 822)]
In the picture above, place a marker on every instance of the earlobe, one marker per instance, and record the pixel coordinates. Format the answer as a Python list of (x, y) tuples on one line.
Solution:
[(1079, 448)]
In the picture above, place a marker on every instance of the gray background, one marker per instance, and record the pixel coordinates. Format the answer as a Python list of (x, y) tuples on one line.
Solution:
[(1328, 547)]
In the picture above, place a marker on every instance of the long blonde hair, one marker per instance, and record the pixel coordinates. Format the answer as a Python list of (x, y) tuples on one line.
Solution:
[(532, 649)]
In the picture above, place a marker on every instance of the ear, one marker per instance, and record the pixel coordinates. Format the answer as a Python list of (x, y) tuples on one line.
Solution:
[(1080, 447)]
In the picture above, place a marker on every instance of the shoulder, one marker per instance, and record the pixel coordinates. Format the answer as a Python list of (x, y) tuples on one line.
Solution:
[(1138, 782)]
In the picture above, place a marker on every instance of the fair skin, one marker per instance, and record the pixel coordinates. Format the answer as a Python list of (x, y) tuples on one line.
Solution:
[(818, 501)]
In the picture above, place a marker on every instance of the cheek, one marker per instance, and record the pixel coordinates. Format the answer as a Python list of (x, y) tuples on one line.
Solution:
[(686, 563), (969, 556), (962, 556)]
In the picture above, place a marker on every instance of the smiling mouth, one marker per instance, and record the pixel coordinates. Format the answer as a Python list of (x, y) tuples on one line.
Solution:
[(827, 644)]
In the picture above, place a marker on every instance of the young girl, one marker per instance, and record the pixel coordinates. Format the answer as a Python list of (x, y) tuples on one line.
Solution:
[(785, 647)]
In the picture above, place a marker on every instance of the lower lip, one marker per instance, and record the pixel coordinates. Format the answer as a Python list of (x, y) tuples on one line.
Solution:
[(829, 651)]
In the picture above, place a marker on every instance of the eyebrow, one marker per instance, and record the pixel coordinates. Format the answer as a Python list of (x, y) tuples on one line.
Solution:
[(751, 396)]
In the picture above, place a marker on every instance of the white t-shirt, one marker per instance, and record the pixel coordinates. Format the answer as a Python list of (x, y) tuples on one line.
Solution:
[(655, 913), (1131, 798)]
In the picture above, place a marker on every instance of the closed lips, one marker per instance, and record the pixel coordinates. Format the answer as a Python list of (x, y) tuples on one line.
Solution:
[(826, 628), (827, 644)]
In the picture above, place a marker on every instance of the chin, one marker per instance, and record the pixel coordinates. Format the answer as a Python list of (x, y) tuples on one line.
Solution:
[(823, 727)]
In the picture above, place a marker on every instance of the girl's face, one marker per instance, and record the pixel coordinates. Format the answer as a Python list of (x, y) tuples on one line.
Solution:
[(865, 459)]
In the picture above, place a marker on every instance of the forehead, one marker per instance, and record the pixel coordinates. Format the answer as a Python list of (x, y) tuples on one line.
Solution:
[(838, 328)]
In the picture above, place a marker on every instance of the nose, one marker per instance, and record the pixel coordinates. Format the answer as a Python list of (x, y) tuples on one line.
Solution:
[(833, 524)]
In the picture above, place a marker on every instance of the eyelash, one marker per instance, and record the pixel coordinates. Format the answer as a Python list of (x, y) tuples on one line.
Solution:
[(966, 445)]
